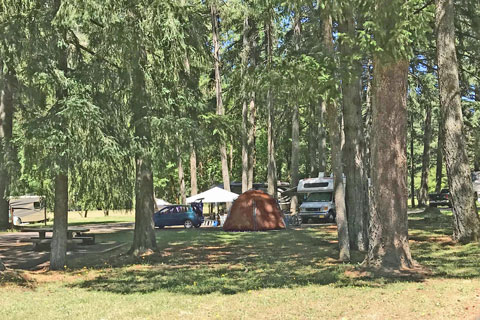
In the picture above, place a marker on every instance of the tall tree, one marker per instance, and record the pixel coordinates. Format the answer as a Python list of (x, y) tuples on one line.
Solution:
[(354, 153), (6, 124), (271, 163), (466, 220), (427, 136), (295, 118), (193, 170), (388, 230), (245, 119), (336, 145), (218, 90)]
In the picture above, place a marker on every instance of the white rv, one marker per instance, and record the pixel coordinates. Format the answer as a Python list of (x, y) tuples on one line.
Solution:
[(26, 209), (476, 183), (318, 199)]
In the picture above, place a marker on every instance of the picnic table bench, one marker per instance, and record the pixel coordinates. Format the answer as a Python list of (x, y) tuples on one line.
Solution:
[(74, 235)]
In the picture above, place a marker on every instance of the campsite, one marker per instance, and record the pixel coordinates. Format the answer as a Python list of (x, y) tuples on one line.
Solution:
[(234, 159)]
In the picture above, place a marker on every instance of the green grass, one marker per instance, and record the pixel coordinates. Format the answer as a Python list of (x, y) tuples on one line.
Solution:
[(292, 274)]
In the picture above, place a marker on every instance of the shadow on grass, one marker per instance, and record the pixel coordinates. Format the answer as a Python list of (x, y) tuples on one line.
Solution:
[(207, 261)]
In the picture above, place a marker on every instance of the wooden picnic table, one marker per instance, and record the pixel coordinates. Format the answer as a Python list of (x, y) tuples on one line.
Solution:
[(74, 234)]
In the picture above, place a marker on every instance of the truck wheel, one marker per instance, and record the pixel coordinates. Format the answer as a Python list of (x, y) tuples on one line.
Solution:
[(331, 217)]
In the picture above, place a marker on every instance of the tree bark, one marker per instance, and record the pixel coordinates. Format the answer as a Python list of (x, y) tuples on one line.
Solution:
[(412, 163), (6, 125), (272, 166), (476, 162), (58, 254), (193, 170), (388, 229), (439, 154), (144, 241), (181, 179), (295, 124), (252, 110), (245, 149), (336, 160), (218, 92), (321, 135), (356, 184), (427, 137), (466, 226)]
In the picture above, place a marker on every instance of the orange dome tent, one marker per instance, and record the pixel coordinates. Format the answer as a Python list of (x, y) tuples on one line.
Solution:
[(254, 210)]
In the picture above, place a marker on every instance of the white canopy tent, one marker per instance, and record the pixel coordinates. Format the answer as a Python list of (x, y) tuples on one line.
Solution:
[(161, 202), (214, 195)]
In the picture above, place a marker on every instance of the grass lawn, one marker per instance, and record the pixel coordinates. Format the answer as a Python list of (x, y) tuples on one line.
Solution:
[(292, 274)]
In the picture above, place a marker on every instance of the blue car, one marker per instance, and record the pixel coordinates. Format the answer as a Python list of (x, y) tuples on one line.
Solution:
[(176, 215)]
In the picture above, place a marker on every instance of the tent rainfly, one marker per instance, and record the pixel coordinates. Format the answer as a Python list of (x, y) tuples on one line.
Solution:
[(214, 195)]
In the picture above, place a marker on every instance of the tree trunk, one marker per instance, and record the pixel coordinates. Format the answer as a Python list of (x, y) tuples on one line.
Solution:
[(272, 166), (368, 121), (466, 227), (356, 200), (2, 266), (336, 159), (58, 255), (144, 241), (476, 162), (321, 135), (312, 142), (295, 123), (388, 230), (439, 155), (251, 140), (181, 179), (218, 92), (245, 149), (193, 170), (427, 137), (6, 123), (412, 163)]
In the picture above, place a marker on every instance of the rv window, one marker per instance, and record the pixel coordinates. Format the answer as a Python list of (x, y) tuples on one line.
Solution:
[(36, 205), (319, 197), (316, 185)]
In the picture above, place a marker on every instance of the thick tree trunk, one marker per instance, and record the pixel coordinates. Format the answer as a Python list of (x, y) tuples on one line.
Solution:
[(58, 255), (356, 200), (368, 121), (466, 227), (218, 92), (193, 170), (144, 241), (272, 166), (427, 137), (6, 123), (181, 179), (336, 160), (321, 135), (412, 163), (388, 229)]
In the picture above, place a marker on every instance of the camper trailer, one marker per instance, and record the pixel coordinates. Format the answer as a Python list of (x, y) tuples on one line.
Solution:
[(318, 198), (26, 209)]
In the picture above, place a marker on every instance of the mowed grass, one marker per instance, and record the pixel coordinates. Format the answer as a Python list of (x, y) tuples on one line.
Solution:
[(291, 274)]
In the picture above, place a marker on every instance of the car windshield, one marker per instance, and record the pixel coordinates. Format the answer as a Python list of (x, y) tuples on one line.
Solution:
[(319, 197)]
